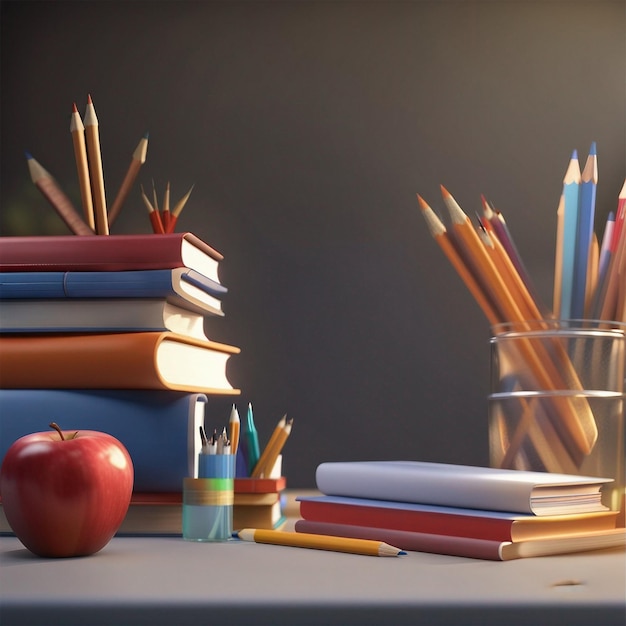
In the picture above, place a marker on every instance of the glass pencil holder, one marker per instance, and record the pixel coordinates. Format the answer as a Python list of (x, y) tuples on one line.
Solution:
[(556, 400), (208, 500)]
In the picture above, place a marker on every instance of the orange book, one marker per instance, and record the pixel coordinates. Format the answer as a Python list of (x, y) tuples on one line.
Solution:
[(141, 360)]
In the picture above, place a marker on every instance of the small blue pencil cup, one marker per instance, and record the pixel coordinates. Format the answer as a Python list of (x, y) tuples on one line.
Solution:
[(208, 500)]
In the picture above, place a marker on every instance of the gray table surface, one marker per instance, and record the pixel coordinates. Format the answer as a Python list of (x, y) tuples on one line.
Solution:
[(165, 580)]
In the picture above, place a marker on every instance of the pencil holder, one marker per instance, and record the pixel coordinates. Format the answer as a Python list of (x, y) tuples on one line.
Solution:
[(208, 500), (557, 399)]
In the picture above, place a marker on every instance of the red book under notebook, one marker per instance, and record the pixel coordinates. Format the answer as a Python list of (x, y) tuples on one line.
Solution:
[(108, 253)]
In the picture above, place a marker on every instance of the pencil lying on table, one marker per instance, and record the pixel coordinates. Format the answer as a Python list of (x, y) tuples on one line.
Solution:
[(365, 547)]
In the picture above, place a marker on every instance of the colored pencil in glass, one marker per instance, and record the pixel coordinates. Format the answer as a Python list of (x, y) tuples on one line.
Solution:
[(584, 233), (440, 234), (571, 187), (558, 260), (576, 423)]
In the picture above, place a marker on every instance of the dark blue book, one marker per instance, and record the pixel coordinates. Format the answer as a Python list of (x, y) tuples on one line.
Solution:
[(180, 286), (158, 428)]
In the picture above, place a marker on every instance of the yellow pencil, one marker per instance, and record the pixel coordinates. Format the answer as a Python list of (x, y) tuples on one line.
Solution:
[(235, 429), (273, 448), (319, 542), (92, 137), (82, 167)]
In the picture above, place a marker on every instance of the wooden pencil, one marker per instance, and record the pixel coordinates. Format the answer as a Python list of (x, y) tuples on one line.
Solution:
[(96, 174), (584, 233), (77, 129), (234, 423), (155, 218), (176, 211), (366, 547), (440, 234), (165, 212), (136, 162), (574, 419), (56, 197), (273, 448), (558, 260), (571, 185)]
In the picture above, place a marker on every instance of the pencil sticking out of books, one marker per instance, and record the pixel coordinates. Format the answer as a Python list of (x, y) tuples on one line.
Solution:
[(589, 277), (97, 217), (460, 510)]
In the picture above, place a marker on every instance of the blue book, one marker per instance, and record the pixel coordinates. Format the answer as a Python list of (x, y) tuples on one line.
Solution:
[(159, 428), (180, 286)]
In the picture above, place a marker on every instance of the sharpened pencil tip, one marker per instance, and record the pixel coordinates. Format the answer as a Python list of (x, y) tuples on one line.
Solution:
[(146, 135), (423, 204), (444, 192), (74, 108), (28, 155), (402, 553), (574, 154), (89, 100), (593, 149)]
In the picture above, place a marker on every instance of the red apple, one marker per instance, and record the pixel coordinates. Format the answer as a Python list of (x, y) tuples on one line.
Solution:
[(66, 493)]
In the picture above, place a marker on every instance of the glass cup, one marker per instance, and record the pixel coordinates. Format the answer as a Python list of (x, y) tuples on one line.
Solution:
[(557, 399), (208, 501)]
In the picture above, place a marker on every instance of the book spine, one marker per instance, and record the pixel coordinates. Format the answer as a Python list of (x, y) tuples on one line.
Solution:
[(420, 542), (414, 521)]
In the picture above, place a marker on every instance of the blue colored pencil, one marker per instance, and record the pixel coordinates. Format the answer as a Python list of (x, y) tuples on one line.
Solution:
[(584, 232), (571, 184), (252, 441)]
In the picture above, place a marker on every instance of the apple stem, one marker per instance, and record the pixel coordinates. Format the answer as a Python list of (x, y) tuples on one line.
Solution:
[(58, 429)]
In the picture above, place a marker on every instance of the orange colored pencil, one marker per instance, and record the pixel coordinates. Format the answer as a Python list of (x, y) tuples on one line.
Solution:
[(136, 162)]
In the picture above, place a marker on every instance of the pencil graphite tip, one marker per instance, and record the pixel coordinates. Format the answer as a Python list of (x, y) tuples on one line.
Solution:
[(593, 150), (89, 100), (74, 108), (574, 154), (444, 192), (28, 155)]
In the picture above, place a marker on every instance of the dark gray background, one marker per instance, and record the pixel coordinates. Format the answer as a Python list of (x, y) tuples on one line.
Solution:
[(307, 129)]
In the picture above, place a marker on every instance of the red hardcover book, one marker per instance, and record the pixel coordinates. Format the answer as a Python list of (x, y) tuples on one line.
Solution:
[(491, 525), (260, 485), (472, 547), (108, 253)]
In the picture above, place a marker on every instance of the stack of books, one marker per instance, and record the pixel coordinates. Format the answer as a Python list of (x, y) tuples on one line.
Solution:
[(476, 512), (108, 333)]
